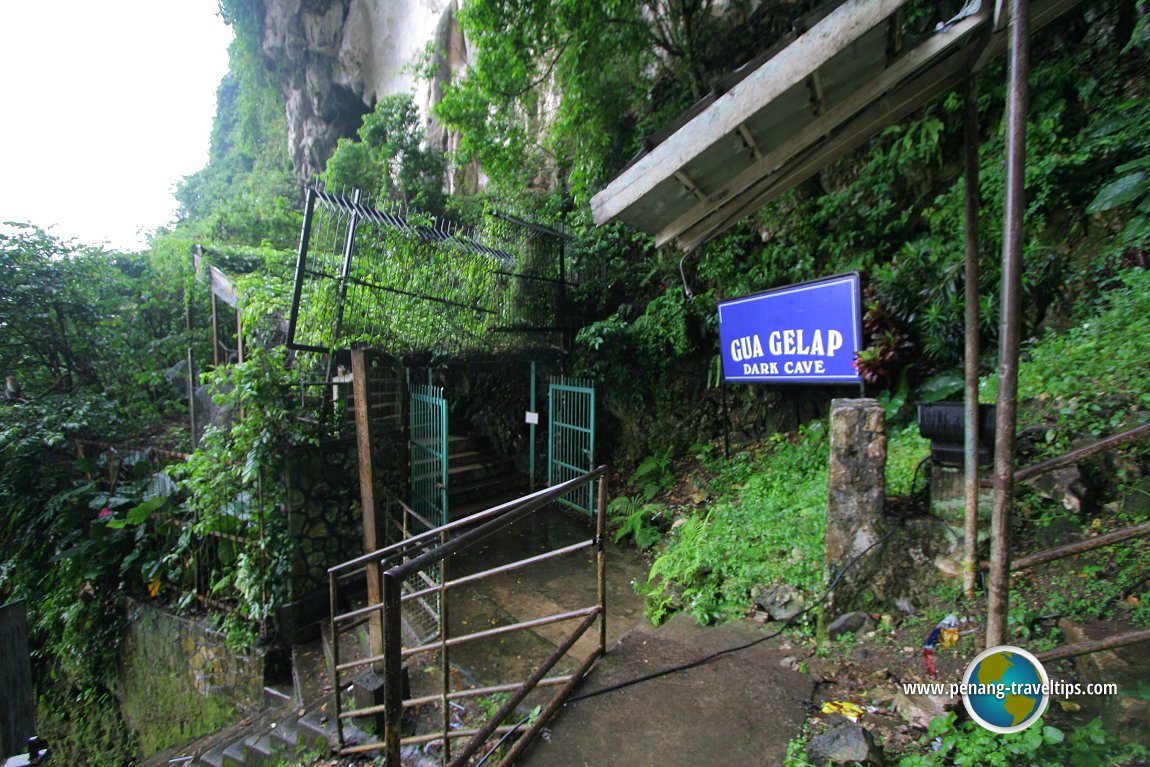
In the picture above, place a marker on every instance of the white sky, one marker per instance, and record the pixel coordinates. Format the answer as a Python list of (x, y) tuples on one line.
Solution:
[(104, 106)]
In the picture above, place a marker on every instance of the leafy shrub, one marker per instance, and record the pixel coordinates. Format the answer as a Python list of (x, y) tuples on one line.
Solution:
[(767, 526), (947, 742), (1090, 379)]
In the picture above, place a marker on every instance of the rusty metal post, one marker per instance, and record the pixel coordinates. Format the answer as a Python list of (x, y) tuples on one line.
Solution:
[(1097, 645), (392, 669), (444, 653), (1008, 338), (971, 207), (337, 686), (601, 559)]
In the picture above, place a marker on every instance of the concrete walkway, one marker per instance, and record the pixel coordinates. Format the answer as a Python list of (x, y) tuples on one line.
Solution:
[(739, 710)]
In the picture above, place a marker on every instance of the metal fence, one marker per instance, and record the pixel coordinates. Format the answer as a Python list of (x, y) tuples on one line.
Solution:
[(398, 568), (428, 416), (571, 437), (209, 555), (396, 279)]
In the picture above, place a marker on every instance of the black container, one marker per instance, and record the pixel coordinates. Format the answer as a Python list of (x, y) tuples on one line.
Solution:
[(944, 424)]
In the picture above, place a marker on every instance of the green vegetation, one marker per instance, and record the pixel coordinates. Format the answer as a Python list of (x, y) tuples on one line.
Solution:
[(390, 160), (766, 526), (557, 99), (86, 336), (1037, 746)]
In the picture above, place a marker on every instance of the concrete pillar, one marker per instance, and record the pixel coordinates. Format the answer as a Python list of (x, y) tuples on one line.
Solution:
[(856, 485)]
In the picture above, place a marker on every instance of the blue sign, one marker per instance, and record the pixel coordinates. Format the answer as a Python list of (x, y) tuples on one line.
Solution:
[(805, 333)]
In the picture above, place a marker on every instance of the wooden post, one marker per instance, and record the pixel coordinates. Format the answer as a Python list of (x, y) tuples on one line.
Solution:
[(366, 450), (215, 332)]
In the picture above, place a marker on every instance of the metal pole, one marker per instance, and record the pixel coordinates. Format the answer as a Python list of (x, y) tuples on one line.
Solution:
[(301, 263), (601, 561), (392, 670), (531, 429), (444, 656), (344, 276), (192, 398), (333, 612), (970, 164), (1008, 341)]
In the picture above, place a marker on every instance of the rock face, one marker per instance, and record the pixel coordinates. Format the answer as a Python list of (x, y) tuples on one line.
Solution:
[(855, 489), (336, 58)]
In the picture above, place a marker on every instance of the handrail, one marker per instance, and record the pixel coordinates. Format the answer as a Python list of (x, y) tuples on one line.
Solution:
[(529, 504), (1078, 454), (432, 549), (551, 493)]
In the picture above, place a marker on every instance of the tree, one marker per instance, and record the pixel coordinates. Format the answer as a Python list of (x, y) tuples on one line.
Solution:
[(60, 306), (391, 159)]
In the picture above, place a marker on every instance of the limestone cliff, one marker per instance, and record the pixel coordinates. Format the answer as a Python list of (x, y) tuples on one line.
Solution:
[(335, 58)]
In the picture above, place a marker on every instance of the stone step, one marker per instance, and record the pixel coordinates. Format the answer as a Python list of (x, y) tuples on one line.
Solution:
[(284, 735), (260, 749), (235, 755)]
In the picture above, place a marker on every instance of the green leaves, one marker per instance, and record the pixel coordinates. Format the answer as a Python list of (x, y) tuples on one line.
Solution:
[(1129, 188), (140, 513), (949, 742), (391, 160)]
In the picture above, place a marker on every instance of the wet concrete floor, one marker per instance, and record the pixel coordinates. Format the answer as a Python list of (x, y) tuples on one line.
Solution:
[(738, 709), (554, 586)]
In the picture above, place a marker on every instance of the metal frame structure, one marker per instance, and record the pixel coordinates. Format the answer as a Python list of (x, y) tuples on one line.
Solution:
[(428, 428), (571, 437), (353, 256), (403, 561)]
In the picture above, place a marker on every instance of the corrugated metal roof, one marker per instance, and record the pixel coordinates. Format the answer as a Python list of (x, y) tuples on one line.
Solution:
[(846, 74)]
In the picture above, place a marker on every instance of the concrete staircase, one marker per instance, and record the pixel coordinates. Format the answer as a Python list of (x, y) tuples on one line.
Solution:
[(476, 475), (296, 722)]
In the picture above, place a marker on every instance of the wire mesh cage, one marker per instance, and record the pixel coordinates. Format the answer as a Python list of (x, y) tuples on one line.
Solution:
[(407, 282)]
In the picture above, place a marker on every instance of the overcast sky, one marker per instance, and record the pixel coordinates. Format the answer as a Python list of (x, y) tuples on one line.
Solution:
[(105, 106)]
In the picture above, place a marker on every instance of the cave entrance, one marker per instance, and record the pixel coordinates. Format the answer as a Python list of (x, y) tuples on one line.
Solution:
[(460, 328)]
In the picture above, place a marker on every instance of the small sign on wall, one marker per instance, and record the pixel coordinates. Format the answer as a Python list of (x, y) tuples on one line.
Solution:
[(805, 333)]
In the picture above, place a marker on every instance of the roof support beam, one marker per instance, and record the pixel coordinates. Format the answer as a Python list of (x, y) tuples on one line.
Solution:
[(750, 180), (790, 67), (814, 156), (690, 185), (749, 140), (818, 97)]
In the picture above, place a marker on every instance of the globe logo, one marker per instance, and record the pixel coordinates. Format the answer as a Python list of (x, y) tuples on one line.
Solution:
[(1005, 689)]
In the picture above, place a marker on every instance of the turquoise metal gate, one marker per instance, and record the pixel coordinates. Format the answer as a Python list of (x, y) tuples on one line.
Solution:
[(428, 423), (571, 438)]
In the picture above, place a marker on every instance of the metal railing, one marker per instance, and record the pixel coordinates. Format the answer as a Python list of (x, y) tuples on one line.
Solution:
[(399, 563)]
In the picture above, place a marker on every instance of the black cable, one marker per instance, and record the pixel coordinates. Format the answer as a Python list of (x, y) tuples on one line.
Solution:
[(713, 656), (503, 740)]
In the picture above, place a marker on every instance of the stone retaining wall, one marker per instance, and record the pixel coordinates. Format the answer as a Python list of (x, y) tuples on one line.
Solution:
[(179, 680)]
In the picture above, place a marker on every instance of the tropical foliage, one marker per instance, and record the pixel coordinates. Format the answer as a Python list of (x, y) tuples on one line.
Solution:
[(557, 98)]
